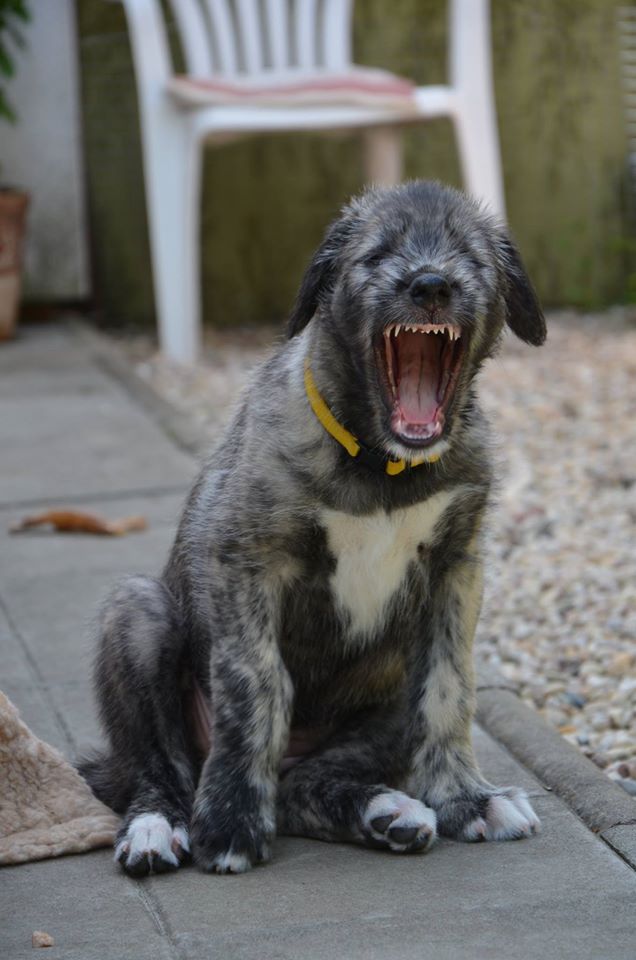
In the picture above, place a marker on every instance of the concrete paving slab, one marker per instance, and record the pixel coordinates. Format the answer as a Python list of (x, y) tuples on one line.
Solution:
[(87, 909), (51, 401), (26, 687), (51, 586), (497, 901), (39, 363)]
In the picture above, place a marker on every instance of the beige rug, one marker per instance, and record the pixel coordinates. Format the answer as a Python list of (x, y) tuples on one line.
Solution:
[(46, 808)]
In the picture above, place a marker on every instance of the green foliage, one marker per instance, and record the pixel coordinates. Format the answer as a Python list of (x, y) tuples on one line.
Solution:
[(13, 14)]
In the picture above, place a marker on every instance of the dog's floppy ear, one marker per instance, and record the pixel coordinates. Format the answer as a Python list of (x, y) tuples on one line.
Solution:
[(318, 275), (524, 315)]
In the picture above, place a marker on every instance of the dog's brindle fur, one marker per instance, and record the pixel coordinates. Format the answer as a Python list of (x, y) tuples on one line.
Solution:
[(308, 590)]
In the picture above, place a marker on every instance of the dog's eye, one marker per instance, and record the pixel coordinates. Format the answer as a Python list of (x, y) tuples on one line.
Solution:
[(375, 258)]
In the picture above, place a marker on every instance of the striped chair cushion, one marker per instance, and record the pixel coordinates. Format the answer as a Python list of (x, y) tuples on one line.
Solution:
[(358, 86)]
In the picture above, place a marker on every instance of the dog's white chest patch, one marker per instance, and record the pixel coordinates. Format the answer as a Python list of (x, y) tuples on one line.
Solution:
[(373, 552)]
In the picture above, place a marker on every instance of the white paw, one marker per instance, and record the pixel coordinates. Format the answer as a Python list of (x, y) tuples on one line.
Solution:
[(399, 822), (151, 845), (231, 863), (508, 816)]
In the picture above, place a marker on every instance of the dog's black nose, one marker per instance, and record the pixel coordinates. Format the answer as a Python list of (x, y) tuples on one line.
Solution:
[(430, 290)]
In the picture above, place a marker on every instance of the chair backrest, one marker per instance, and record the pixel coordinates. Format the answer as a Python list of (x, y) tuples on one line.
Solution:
[(228, 37)]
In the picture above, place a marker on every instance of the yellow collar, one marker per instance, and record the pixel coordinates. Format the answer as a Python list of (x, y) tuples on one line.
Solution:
[(352, 445)]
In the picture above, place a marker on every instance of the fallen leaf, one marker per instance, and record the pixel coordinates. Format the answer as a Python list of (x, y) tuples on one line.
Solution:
[(74, 521)]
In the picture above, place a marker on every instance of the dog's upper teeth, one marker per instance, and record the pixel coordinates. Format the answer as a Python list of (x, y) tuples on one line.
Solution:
[(396, 328)]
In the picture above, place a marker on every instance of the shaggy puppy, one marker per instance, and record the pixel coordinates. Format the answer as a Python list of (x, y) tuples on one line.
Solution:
[(304, 661)]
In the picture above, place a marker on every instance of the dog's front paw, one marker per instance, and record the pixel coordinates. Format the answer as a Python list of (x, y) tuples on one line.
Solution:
[(500, 814), (233, 849), (396, 821), (148, 844)]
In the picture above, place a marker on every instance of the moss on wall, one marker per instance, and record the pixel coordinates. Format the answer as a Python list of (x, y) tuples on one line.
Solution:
[(267, 200)]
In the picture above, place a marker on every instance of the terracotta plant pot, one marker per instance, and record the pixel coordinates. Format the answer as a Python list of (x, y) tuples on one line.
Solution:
[(13, 206)]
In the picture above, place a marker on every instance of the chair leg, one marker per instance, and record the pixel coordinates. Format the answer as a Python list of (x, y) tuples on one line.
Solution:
[(383, 155), (479, 156), (173, 173), (475, 117)]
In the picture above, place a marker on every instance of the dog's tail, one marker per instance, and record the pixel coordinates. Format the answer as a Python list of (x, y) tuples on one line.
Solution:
[(107, 780)]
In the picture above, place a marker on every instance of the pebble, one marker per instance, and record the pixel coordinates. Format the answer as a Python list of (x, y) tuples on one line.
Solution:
[(40, 938), (559, 617), (629, 785), (575, 700)]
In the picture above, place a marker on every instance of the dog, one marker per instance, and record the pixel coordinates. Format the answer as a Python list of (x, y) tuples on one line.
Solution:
[(304, 662)]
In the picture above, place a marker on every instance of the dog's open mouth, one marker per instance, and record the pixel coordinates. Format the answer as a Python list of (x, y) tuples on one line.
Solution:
[(422, 365)]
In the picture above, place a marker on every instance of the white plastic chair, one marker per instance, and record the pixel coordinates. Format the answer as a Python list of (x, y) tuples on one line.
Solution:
[(288, 41)]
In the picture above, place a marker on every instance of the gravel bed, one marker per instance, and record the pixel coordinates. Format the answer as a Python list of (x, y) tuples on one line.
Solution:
[(559, 617)]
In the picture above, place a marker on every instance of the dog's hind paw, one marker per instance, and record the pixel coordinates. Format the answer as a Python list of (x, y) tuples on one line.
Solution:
[(399, 823), (503, 814), (508, 816), (150, 845)]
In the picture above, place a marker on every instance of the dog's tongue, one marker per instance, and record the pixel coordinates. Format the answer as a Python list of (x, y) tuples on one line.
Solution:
[(418, 375)]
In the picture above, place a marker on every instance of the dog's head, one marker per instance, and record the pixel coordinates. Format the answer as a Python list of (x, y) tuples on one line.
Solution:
[(411, 288)]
